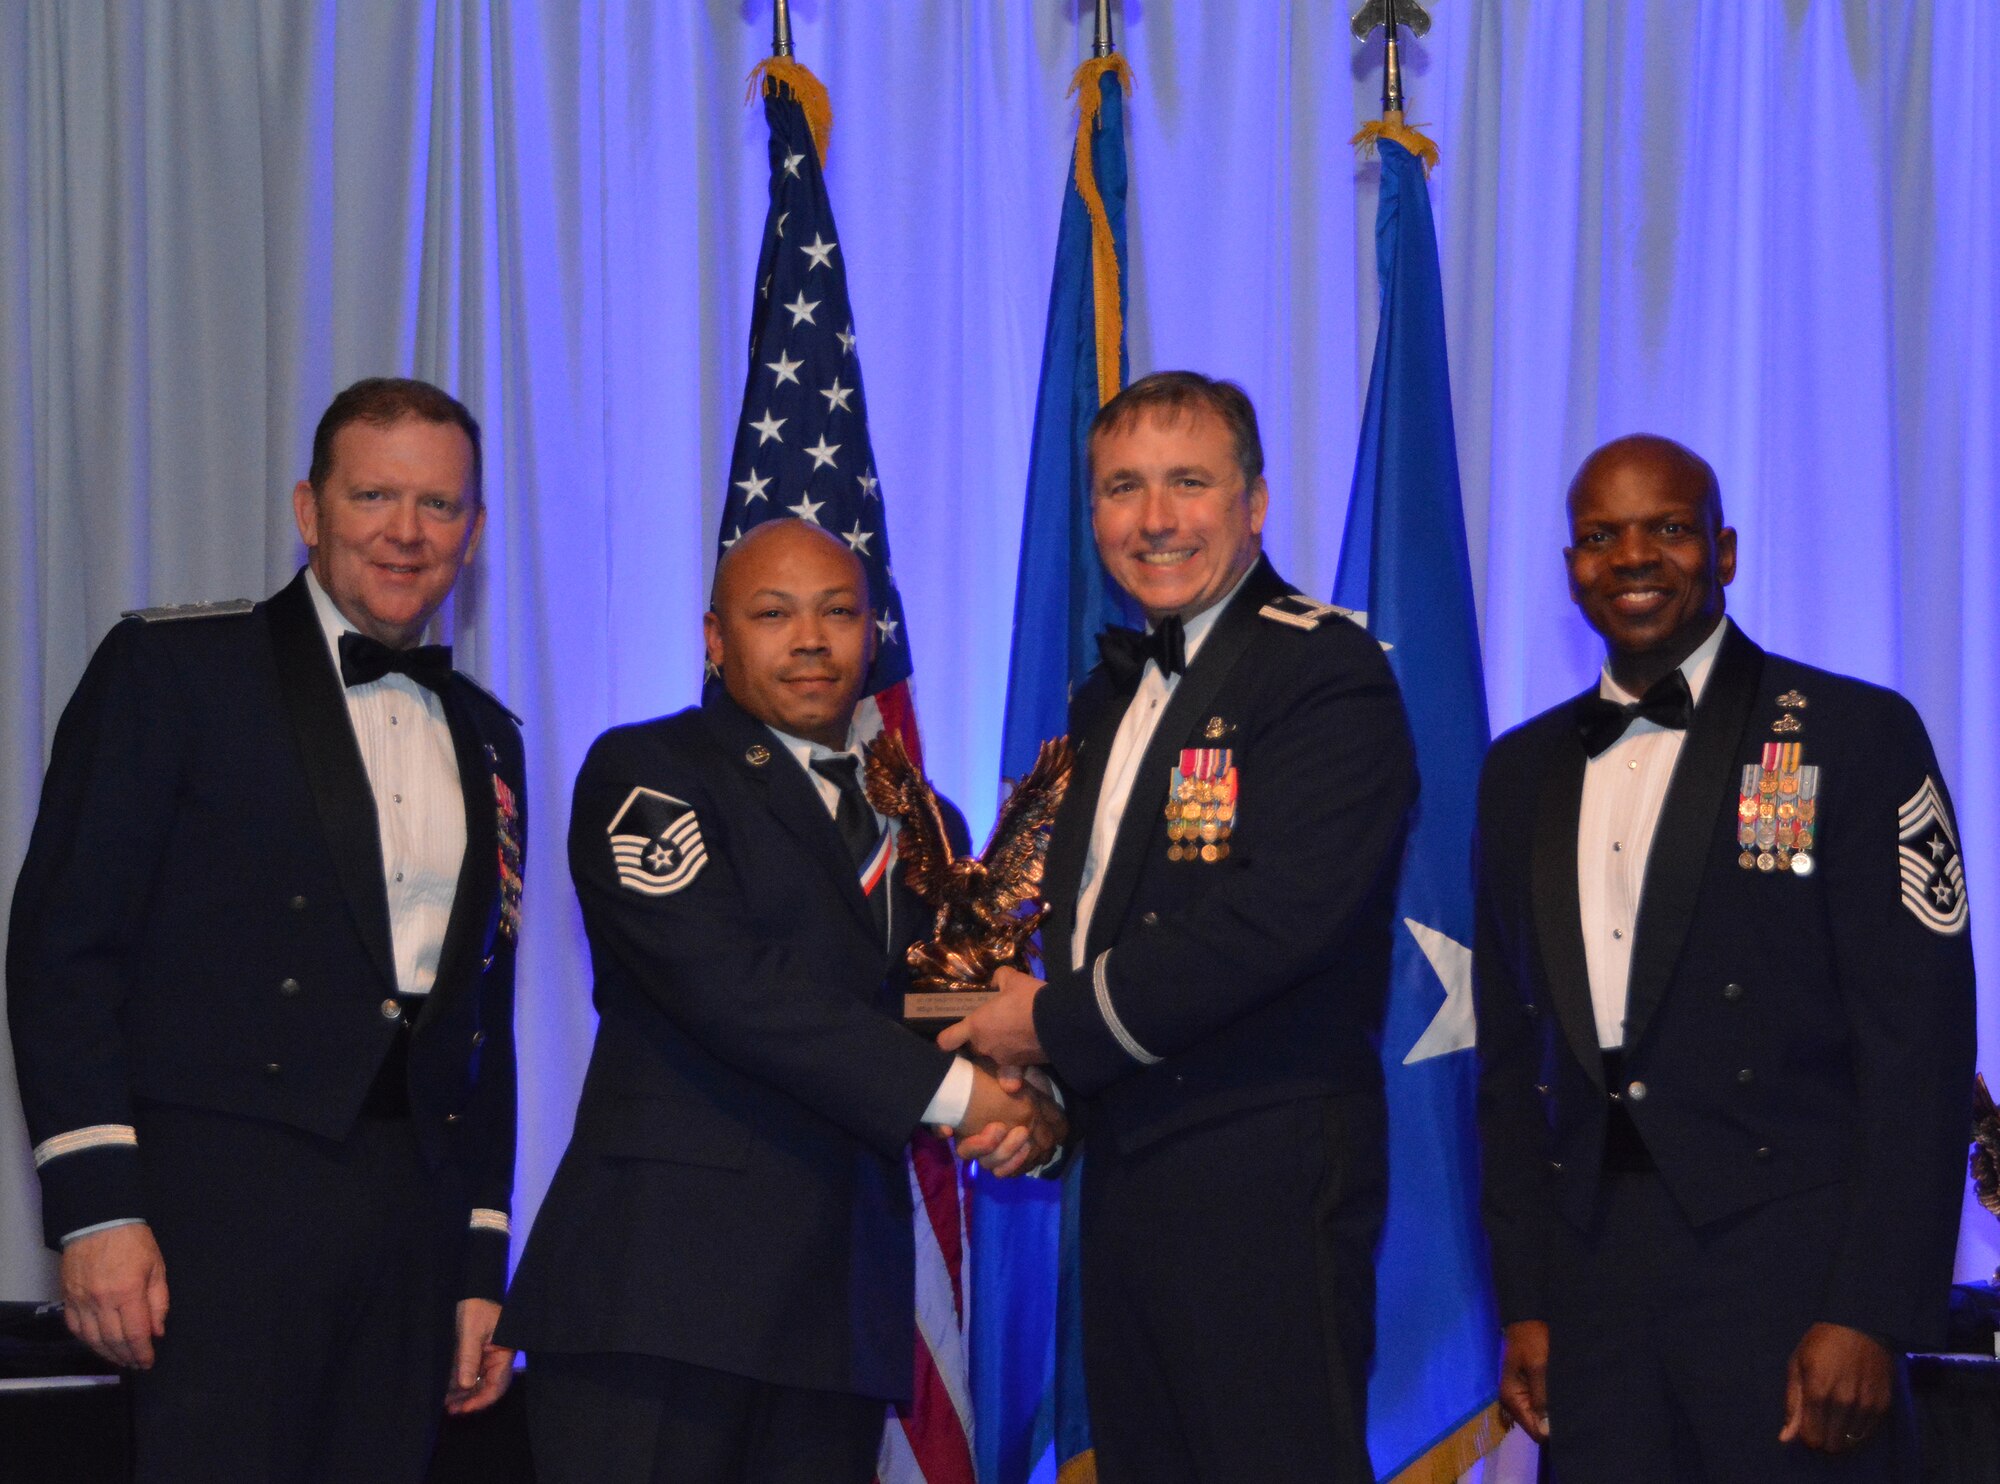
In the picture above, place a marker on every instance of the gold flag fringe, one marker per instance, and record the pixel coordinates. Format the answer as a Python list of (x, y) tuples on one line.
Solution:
[(1447, 1460), (1391, 126), (809, 90), (1081, 1469), (1103, 252)]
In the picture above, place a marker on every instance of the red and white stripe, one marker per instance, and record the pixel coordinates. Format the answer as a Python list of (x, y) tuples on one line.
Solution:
[(930, 1440)]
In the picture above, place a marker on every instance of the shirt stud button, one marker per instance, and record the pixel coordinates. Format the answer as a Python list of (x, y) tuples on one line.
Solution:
[(391, 1010), (1745, 1077), (1618, 933), (298, 904), (399, 877), (1732, 991), (397, 797), (1617, 845), (271, 1069), (288, 986)]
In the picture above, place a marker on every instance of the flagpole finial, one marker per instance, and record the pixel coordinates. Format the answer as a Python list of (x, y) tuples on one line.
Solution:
[(1387, 15), (1103, 45), (781, 29)]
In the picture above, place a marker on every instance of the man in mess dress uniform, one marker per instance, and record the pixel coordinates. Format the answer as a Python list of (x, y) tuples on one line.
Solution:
[(260, 978), (1220, 878), (1725, 1006)]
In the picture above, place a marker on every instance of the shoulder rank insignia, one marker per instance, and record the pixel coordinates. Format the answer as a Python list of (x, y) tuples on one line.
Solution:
[(1301, 612), (504, 707), (173, 612), (1201, 805), (656, 843), (1927, 853)]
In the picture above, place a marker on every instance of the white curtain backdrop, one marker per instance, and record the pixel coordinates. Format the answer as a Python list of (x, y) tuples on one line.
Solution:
[(1765, 229)]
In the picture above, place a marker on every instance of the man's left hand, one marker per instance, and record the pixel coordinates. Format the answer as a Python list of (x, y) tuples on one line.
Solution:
[(1837, 1389), (1003, 1029), (480, 1369)]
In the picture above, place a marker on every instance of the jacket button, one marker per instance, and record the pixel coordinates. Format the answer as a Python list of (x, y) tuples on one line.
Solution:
[(1636, 1092), (451, 1118), (271, 1069), (1555, 1167), (1732, 991), (1151, 919), (483, 968), (1764, 1155), (1745, 1077), (391, 1010), (288, 986), (1531, 1009), (1542, 1088), (298, 904), (478, 1039)]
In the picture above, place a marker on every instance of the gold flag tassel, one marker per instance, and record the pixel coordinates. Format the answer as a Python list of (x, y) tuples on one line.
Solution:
[(1391, 126), (1103, 252), (783, 72)]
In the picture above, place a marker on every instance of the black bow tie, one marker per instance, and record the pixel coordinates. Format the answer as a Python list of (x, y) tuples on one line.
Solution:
[(1125, 651), (1669, 703), (363, 659)]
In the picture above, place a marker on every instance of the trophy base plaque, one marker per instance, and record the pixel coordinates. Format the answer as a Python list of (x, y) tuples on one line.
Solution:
[(928, 1013)]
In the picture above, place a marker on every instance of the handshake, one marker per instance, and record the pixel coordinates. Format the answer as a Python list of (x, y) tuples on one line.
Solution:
[(1015, 1121)]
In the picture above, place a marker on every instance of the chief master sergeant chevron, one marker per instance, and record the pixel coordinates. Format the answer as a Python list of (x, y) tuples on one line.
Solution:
[(260, 979), (1220, 881)]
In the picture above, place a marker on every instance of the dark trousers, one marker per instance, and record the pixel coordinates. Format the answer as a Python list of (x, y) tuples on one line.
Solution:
[(311, 1295), (641, 1419), (1229, 1296), (1668, 1344)]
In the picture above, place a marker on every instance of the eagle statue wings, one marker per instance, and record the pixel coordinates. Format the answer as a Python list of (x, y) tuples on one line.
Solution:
[(980, 923)]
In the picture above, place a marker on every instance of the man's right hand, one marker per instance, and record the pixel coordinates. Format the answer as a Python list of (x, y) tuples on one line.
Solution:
[(114, 1290), (1524, 1377), (1010, 1125)]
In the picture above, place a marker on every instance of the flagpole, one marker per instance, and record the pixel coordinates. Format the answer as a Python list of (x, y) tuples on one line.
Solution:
[(1102, 45), (1389, 17), (781, 29)]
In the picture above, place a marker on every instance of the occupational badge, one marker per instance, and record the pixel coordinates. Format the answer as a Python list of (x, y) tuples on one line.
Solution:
[(1927, 852), (507, 816), (1201, 805), (656, 843)]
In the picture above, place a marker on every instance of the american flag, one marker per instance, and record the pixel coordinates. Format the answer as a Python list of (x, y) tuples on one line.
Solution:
[(802, 451)]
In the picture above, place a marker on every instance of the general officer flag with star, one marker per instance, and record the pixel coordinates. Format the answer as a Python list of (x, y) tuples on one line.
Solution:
[(1404, 571), (802, 444)]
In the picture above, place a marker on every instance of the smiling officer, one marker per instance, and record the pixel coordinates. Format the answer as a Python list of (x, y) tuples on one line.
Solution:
[(1725, 1003), (260, 977)]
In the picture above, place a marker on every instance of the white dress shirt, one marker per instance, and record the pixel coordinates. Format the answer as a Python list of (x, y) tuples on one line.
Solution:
[(949, 1104), (1121, 769), (419, 806), (1623, 789)]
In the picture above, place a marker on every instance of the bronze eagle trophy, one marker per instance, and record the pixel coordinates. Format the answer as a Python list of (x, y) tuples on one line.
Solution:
[(980, 924), (1984, 1163)]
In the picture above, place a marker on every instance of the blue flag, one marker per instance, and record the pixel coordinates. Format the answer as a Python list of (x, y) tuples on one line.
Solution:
[(1027, 1379), (1403, 566)]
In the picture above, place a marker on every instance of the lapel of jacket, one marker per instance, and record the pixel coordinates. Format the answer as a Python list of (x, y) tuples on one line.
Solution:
[(469, 929), (1069, 842), (1684, 839), (1552, 877), (317, 709), (787, 792), (1144, 816)]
